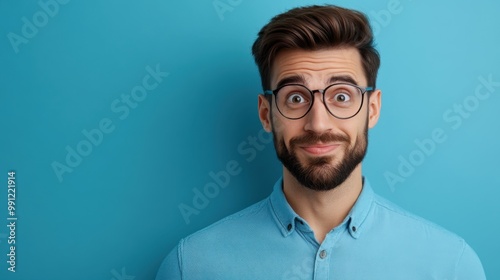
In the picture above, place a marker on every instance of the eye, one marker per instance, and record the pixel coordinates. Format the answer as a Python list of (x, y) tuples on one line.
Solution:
[(296, 98), (342, 97)]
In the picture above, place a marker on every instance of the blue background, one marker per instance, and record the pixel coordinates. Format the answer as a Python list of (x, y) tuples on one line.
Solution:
[(117, 213)]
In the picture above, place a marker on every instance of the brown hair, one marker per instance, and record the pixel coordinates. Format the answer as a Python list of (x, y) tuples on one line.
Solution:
[(313, 28)]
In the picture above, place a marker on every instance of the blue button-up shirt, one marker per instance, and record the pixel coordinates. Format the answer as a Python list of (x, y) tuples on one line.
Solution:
[(268, 240)]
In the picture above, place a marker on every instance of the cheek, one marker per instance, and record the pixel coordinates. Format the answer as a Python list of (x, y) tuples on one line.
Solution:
[(354, 128), (361, 120), (362, 130), (285, 129)]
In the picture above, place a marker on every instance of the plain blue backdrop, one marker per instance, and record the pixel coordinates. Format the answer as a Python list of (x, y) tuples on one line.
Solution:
[(106, 152)]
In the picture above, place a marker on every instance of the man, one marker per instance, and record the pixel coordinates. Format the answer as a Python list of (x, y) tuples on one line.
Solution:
[(322, 221)]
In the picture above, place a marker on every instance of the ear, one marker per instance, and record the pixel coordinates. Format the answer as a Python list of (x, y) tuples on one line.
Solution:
[(374, 106), (265, 112)]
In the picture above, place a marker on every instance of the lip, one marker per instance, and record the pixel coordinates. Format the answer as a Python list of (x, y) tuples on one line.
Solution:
[(320, 149)]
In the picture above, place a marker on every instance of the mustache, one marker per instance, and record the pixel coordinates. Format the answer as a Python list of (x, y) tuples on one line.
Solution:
[(313, 138)]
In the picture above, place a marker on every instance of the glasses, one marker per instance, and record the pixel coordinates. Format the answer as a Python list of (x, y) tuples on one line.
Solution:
[(342, 100)]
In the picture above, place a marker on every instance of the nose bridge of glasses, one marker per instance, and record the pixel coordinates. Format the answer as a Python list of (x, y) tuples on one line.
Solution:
[(321, 94), (322, 104)]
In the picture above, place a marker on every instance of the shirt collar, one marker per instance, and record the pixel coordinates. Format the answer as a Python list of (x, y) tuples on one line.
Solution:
[(286, 216), (360, 210)]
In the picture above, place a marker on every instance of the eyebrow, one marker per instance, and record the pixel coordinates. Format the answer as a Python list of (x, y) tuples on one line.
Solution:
[(343, 78), (299, 79), (295, 79)]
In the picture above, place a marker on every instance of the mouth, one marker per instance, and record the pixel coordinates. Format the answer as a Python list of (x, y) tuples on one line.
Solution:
[(320, 149)]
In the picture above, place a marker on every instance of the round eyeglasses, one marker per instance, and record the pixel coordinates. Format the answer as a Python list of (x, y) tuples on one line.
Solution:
[(342, 100)]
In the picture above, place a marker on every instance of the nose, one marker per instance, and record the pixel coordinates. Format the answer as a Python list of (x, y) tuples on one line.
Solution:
[(318, 120)]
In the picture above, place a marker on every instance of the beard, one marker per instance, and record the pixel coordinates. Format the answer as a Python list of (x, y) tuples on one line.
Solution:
[(320, 173)]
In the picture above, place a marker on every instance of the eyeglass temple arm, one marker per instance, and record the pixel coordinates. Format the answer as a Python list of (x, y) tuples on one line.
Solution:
[(368, 89)]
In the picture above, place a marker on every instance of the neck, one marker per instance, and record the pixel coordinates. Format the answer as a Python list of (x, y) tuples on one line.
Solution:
[(323, 210)]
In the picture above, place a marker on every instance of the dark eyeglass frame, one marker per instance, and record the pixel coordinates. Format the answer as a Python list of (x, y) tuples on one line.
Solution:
[(362, 90)]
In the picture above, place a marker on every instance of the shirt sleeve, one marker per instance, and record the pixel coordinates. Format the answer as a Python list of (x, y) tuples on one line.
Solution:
[(170, 268), (469, 266)]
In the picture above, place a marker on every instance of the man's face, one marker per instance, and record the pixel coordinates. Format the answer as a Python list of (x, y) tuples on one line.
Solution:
[(319, 150)]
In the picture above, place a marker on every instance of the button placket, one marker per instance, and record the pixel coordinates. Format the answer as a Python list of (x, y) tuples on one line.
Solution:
[(324, 255), (322, 265)]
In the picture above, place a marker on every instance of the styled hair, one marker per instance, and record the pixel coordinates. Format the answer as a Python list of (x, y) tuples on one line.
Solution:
[(314, 28)]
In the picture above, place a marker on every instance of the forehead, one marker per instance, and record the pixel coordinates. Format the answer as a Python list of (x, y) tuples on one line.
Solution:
[(318, 66)]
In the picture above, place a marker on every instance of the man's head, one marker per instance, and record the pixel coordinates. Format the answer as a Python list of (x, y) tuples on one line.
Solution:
[(320, 137)]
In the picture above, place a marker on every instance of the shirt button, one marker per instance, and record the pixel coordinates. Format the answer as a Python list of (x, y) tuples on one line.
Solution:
[(289, 227), (353, 228), (322, 254)]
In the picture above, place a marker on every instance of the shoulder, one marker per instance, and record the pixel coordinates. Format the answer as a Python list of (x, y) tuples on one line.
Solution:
[(203, 250), (428, 240), (399, 217), (237, 224)]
